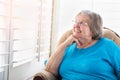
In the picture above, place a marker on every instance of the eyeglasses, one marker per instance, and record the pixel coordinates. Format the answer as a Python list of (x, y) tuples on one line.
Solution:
[(81, 23)]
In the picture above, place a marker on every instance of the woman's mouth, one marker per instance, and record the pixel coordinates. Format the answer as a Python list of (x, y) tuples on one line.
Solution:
[(77, 31)]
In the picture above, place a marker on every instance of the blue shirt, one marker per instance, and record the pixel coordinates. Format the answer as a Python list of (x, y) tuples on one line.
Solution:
[(101, 61)]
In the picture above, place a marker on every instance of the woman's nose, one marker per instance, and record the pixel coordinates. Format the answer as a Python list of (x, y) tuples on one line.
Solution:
[(76, 25)]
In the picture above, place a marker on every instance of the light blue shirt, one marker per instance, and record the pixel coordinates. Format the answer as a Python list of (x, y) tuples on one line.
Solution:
[(100, 61)]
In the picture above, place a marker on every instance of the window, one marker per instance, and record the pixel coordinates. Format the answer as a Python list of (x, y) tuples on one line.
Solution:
[(4, 39), (45, 29), (25, 32), (24, 28)]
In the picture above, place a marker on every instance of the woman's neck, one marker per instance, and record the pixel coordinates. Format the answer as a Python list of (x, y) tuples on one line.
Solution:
[(90, 43)]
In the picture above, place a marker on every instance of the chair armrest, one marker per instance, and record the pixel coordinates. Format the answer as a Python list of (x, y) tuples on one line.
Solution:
[(44, 75)]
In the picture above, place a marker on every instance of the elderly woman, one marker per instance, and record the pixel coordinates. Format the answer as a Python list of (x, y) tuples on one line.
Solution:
[(86, 55)]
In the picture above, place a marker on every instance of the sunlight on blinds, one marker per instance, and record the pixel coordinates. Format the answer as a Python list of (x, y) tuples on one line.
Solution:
[(4, 41), (45, 30), (2, 38), (25, 26), (28, 30)]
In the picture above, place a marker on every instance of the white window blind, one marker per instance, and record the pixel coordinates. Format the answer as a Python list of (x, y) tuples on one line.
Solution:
[(4, 39), (45, 30), (110, 12), (25, 30)]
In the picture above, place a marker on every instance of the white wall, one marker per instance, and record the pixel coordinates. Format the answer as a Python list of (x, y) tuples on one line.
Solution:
[(25, 71), (68, 10)]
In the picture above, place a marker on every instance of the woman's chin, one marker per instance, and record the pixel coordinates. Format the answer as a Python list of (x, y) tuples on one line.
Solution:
[(76, 35)]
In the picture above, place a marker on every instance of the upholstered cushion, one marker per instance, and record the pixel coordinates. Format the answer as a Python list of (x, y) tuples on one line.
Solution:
[(111, 35)]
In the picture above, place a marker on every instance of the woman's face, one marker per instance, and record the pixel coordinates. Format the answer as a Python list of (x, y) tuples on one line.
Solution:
[(81, 27), (81, 31)]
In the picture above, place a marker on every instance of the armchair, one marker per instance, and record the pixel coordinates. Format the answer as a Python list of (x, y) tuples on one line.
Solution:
[(45, 75)]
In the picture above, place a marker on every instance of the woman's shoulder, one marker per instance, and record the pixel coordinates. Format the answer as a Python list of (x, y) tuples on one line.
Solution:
[(108, 42), (103, 39)]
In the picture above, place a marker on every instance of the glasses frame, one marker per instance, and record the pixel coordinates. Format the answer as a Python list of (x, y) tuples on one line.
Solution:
[(80, 23)]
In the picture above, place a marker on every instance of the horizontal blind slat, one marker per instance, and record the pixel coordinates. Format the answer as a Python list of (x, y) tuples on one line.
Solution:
[(5, 65)]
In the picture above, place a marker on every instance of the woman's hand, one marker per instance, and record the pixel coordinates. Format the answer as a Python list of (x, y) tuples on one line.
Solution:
[(71, 39)]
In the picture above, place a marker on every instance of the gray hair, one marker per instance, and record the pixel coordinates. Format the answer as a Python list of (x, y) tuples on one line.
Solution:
[(95, 23)]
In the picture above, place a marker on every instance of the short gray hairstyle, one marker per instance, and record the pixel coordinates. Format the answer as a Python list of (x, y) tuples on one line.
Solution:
[(95, 23)]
